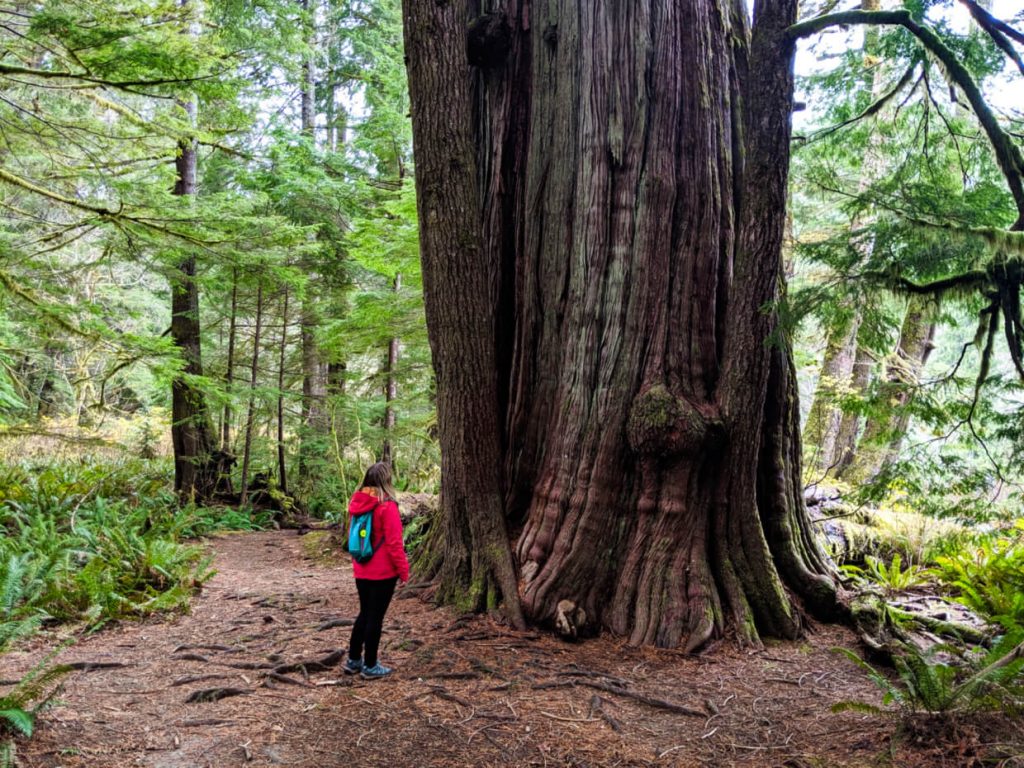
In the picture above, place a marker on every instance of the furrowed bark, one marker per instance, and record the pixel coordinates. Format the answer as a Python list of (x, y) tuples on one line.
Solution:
[(469, 551), (629, 175)]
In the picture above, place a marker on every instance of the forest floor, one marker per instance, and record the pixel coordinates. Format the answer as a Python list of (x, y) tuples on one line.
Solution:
[(466, 691)]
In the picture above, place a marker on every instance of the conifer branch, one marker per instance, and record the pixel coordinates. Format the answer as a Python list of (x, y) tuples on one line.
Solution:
[(1007, 153), (85, 77)]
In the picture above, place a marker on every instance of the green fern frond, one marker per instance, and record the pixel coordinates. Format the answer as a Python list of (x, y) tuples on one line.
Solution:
[(18, 720)]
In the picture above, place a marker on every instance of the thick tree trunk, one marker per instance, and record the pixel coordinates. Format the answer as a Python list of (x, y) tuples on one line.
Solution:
[(884, 431), (630, 169), (192, 435), (250, 414), (469, 550)]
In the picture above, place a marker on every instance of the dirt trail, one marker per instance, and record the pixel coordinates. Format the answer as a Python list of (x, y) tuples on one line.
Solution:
[(466, 691)]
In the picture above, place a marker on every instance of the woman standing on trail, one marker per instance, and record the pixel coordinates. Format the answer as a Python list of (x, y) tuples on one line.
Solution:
[(377, 576)]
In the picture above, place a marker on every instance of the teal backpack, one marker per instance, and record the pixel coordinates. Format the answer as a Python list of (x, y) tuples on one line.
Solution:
[(360, 536)]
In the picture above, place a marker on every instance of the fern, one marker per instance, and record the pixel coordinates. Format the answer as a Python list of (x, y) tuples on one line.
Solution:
[(891, 578), (20, 706), (993, 682)]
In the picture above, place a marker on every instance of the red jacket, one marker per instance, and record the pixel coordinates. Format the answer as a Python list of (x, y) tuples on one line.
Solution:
[(389, 558)]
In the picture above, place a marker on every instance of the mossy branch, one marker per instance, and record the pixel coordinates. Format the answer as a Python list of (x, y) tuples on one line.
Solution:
[(874, 108), (85, 77), (1007, 153), (968, 281)]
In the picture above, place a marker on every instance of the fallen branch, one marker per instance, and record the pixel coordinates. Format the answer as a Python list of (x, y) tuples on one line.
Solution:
[(200, 647), (288, 680), (569, 719), (91, 666), (192, 657), (202, 723), (597, 707)]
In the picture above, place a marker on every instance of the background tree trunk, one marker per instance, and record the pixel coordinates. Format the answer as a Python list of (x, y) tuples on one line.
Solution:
[(195, 472), (229, 374), (849, 426), (884, 431), (282, 472), (827, 429), (825, 419), (250, 414), (391, 387), (314, 370), (631, 238)]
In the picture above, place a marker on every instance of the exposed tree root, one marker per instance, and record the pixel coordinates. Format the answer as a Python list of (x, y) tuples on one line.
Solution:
[(332, 623), (208, 695), (313, 665), (619, 691)]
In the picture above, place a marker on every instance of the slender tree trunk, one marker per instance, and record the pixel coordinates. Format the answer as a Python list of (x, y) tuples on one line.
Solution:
[(597, 258), (249, 418), (229, 374), (282, 473), (884, 431), (314, 371), (391, 387), (192, 435)]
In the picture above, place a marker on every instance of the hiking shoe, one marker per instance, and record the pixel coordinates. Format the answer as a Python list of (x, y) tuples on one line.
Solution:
[(375, 672), (353, 666)]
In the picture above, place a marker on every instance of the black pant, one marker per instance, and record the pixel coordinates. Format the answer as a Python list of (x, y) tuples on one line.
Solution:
[(374, 599)]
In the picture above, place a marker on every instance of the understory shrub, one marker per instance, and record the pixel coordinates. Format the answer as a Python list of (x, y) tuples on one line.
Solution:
[(988, 576), (20, 705), (95, 542), (947, 680)]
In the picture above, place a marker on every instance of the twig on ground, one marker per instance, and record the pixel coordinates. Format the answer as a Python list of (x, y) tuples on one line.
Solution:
[(650, 701)]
